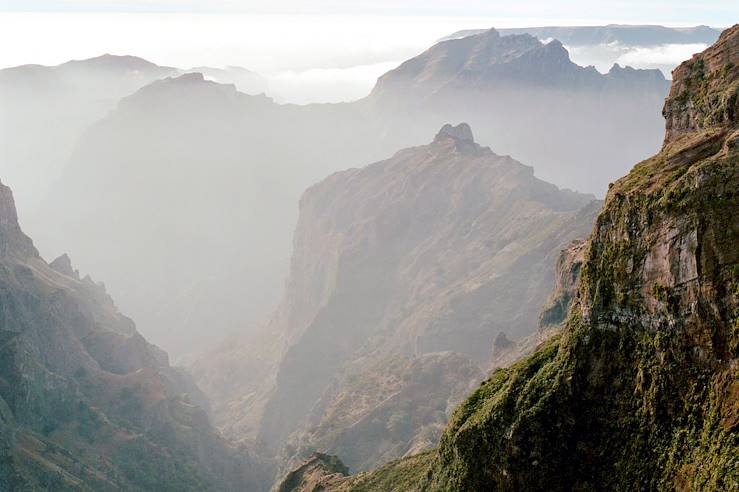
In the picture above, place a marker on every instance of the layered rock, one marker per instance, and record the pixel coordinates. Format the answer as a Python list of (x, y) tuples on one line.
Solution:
[(86, 403), (640, 390)]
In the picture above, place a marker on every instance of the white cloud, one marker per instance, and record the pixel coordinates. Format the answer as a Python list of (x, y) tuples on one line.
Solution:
[(666, 54), (326, 84), (664, 57)]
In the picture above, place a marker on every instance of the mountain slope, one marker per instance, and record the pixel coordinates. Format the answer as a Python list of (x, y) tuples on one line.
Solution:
[(640, 391), (387, 319), (85, 402), (515, 89)]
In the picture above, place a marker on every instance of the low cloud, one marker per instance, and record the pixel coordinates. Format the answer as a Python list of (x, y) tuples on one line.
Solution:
[(326, 84), (664, 57)]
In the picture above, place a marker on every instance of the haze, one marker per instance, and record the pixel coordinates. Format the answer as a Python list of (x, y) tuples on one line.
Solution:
[(305, 58)]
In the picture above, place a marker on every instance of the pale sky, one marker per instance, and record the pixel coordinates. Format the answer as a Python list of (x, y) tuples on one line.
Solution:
[(713, 12)]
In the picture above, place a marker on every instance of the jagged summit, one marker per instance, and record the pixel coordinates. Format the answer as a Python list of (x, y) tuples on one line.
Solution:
[(489, 60), (461, 132)]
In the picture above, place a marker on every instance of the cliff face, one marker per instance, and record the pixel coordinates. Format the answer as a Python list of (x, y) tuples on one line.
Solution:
[(85, 402), (640, 390)]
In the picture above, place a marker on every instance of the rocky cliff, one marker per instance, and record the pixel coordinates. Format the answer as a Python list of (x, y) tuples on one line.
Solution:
[(86, 403), (640, 390)]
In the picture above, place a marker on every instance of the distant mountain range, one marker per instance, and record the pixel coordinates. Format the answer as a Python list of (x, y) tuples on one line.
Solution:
[(627, 35)]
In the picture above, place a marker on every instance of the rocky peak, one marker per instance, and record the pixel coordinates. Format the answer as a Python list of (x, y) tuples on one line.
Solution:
[(705, 89), (120, 62), (13, 242), (63, 265), (461, 132), (317, 472)]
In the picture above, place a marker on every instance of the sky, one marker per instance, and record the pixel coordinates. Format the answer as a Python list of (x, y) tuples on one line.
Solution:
[(713, 12), (317, 50)]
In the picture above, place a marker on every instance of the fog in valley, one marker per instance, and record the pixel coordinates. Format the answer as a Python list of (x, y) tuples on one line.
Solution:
[(259, 235)]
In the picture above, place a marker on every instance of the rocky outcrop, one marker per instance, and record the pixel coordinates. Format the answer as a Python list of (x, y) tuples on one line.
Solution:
[(566, 284), (640, 390), (13, 243), (316, 473), (705, 91), (86, 403), (554, 312)]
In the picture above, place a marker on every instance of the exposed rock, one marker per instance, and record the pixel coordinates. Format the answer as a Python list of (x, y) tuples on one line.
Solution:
[(566, 284), (316, 473), (705, 91), (63, 265), (13, 243), (460, 132)]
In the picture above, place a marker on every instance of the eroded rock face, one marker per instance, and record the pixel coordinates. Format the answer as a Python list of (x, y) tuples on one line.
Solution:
[(86, 403)]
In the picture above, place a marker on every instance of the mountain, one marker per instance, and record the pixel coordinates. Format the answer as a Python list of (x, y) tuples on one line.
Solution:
[(403, 273), (196, 187), (640, 390), (489, 60), (46, 109), (515, 89), (646, 46), (626, 35), (86, 403)]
